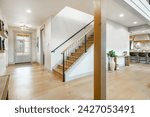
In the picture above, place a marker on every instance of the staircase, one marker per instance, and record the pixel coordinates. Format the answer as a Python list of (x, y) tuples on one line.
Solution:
[(70, 56), (72, 53)]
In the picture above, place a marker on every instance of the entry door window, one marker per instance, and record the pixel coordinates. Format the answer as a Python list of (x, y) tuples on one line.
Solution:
[(23, 48)]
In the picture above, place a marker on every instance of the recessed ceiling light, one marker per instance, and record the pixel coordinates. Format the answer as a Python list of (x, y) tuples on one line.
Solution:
[(135, 22), (28, 11), (121, 15)]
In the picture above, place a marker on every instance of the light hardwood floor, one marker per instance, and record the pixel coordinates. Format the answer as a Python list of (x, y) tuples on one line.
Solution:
[(130, 83), (31, 81)]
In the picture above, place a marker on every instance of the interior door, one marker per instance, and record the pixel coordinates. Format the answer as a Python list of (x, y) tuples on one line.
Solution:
[(23, 48), (42, 33)]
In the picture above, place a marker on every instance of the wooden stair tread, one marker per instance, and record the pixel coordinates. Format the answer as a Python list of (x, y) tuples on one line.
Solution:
[(58, 70), (74, 56), (88, 44), (77, 53), (69, 61), (61, 65)]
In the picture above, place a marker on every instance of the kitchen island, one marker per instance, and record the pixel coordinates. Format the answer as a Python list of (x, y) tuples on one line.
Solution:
[(140, 55)]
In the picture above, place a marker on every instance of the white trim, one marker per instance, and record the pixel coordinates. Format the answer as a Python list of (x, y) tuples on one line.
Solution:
[(80, 76)]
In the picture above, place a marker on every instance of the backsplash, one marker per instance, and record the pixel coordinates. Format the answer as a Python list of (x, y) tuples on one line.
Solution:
[(142, 42), (142, 46)]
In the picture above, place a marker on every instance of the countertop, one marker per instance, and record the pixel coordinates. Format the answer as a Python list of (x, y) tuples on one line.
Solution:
[(143, 51)]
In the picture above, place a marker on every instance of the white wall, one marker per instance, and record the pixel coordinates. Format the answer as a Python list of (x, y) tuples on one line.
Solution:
[(11, 44), (117, 39), (57, 30), (2, 63), (47, 44), (83, 67), (2, 17), (66, 23), (47, 47), (38, 54), (4, 56)]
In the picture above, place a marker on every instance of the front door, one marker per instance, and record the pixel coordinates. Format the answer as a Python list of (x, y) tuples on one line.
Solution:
[(23, 48)]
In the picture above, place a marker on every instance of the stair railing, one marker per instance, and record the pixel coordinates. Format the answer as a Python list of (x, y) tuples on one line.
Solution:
[(72, 48)]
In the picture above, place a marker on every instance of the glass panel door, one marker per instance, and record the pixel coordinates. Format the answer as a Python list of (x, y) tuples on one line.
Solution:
[(23, 48)]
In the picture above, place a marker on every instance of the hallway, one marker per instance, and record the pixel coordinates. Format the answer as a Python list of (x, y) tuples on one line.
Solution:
[(32, 82)]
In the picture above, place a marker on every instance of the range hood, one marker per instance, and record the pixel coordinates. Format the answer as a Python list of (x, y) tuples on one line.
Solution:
[(142, 37)]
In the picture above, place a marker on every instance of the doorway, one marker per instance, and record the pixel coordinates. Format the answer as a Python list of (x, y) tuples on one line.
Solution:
[(23, 48), (42, 37)]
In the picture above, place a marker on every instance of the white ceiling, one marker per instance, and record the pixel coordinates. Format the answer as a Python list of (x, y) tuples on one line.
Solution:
[(115, 9), (147, 1), (15, 11)]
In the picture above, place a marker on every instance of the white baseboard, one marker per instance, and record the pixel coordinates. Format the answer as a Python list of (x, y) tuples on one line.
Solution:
[(79, 76)]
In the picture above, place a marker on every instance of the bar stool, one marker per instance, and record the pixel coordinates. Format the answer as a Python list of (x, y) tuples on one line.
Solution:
[(133, 56), (142, 57), (148, 57)]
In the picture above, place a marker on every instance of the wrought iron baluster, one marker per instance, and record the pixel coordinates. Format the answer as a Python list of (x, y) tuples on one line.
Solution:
[(63, 67), (85, 38)]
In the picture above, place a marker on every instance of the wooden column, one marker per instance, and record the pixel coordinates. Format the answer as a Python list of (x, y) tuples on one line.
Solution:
[(99, 50)]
